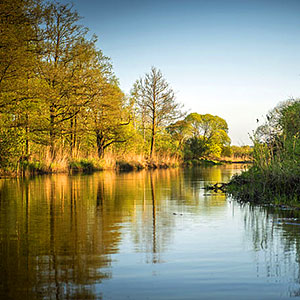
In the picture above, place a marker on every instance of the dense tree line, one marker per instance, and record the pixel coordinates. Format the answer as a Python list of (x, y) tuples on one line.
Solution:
[(60, 99), (58, 93)]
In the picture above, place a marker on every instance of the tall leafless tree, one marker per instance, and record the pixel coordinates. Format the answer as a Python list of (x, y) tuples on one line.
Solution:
[(156, 102)]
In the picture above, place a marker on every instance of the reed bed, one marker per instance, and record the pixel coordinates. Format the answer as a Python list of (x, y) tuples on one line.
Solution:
[(273, 178)]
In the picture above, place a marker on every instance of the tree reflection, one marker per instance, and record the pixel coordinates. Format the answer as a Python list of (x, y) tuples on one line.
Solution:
[(57, 233), (275, 237), (151, 224), (52, 245), (154, 250)]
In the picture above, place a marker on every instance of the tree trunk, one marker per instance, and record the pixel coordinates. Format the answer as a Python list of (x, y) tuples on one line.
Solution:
[(152, 150), (154, 242), (144, 126), (52, 133), (27, 138), (75, 133), (100, 145), (73, 138)]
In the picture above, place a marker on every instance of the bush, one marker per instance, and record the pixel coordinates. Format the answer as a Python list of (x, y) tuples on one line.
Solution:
[(275, 174), (84, 165)]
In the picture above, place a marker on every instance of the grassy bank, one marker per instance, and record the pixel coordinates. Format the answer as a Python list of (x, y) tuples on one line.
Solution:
[(275, 175), (88, 165), (201, 162), (273, 178), (277, 185), (216, 161)]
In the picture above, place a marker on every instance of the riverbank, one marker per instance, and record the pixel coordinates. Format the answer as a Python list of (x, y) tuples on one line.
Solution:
[(215, 161), (275, 174), (278, 186), (110, 162), (91, 164)]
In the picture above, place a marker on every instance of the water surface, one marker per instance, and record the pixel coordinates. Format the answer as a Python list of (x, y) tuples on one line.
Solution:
[(144, 235)]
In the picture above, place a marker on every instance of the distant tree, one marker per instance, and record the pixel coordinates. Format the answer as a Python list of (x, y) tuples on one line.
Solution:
[(208, 134), (141, 120), (109, 119), (156, 102), (179, 132), (243, 152)]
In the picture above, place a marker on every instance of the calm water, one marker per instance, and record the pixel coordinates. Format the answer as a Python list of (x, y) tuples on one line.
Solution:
[(145, 235)]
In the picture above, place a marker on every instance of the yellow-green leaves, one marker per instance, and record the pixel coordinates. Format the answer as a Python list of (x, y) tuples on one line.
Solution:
[(205, 135)]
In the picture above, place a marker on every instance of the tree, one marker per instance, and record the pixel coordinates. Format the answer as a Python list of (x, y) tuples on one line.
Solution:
[(281, 131), (289, 120), (269, 131), (102, 120), (19, 48), (66, 70), (243, 152), (57, 92), (108, 117), (156, 102), (179, 132), (207, 134)]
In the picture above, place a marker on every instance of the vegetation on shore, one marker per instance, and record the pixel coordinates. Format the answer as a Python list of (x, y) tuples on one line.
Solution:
[(61, 107), (275, 174)]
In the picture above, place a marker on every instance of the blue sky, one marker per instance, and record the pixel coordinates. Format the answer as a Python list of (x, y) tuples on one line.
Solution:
[(232, 58)]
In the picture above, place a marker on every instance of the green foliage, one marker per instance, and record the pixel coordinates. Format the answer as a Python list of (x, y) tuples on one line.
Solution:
[(195, 148), (205, 135), (242, 152), (129, 166), (60, 100), (166, 145), (279, 180), (58, 93), (227, 151), (275, 174), (289, 120), (33, 167), (10, 148), (85, 165)]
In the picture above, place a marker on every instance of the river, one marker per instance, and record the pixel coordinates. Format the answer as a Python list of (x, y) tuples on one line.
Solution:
[(143, 235)]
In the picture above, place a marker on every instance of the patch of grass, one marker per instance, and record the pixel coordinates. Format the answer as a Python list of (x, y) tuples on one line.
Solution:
[(63, 164), (85, 165), (278, 184), (34, 167), (202, 162), (129, 166), (141, 162)]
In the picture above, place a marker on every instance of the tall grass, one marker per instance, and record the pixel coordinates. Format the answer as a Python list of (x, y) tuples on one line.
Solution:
[(274, 176), (42, 163)]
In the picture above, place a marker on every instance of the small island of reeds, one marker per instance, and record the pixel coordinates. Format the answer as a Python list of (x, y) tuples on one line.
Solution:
[(274, 176)]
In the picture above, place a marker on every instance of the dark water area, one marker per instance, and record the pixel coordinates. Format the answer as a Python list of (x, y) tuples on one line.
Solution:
[(144, 235)]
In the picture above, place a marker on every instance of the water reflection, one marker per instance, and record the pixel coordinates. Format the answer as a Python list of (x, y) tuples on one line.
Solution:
[(61, 237), (275, 237), (52, 241)]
